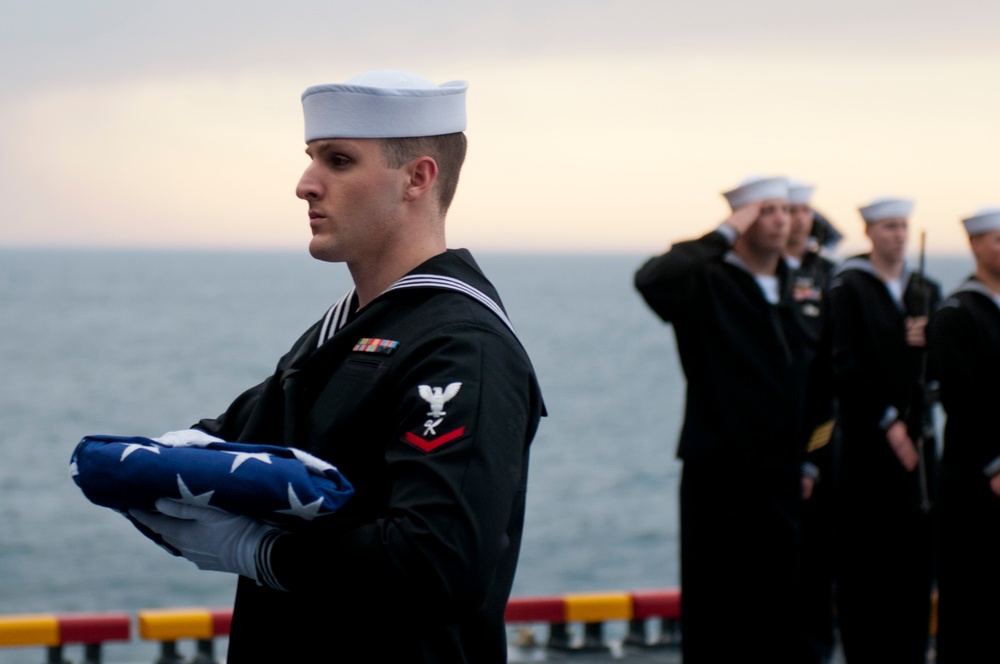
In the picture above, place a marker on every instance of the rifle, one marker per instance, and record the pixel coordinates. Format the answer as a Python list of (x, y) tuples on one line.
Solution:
[(920, 415)]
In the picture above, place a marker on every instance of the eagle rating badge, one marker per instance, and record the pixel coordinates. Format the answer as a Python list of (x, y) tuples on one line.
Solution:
[(436, 398)]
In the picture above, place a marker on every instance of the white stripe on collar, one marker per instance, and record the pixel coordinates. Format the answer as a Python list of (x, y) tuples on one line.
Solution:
[(450, 283), (976, 286), (336, 317), (895, 287), (338, 314)]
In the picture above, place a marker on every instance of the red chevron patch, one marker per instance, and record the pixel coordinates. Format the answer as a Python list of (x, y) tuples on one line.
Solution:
[(433, 443)]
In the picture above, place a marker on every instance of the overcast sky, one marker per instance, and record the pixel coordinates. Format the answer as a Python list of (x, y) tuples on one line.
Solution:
[(593, 125)]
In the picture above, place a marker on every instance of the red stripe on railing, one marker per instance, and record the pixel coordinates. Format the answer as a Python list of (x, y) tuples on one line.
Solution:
[(536, 609), (664, 603), (91, 628), (222, 621)]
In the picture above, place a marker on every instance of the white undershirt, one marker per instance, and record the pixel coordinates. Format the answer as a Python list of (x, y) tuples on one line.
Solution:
[(769, 284), (895, 287)]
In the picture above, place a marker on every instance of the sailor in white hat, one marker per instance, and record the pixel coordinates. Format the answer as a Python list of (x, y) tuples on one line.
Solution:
[(413, 384), (964, 358), (810, 276), (985, 220), (886, 221), (983, 228), (759, 226), (886, 207), (757, 189), (381, 131), (801, 216), (879, 310), (747, 360)]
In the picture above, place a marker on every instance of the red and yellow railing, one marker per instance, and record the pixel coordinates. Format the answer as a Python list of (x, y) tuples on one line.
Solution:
[(56, 631), (168, 627), (594, 611), (652, 618)]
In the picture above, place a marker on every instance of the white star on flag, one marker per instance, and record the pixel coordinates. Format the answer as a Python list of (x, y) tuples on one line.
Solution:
[(244, 456), (307, 512), (135, 446), (191, 499)]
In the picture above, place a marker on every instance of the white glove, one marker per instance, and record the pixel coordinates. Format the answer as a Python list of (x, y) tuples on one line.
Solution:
[(208, 537), (187, 437)]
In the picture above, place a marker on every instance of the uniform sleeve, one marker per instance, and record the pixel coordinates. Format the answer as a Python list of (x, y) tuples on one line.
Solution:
[(948, 360), (463, 415), (954, 360), (661, 280), (848, 330)]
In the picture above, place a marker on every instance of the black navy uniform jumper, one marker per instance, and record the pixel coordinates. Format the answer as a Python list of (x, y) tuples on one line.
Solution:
[(964, 351), (427, 403), (808, 289), (885, 534), (748, 365)]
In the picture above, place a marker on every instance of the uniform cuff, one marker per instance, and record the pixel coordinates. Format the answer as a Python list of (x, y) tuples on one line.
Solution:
[(729, 232), (992, 468), (891, 415), (265, 574)]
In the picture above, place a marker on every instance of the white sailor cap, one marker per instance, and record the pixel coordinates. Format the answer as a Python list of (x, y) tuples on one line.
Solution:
[(799, 193), (756, 188), (384, 104), (984, 220), (883, 207)]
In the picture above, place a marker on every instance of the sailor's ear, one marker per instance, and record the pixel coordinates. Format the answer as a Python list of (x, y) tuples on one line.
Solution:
[(422, 173)]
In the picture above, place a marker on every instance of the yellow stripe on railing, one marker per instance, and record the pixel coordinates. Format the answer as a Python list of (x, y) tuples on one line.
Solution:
[(598, 607), (29, 630), (175, 624)]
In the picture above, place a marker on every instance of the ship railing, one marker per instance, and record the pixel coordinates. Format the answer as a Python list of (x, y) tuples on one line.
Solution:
[(580, 622), (56, 631), (575, 622)]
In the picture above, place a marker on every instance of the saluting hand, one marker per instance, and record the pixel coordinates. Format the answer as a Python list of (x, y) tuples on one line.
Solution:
[(744, 217)]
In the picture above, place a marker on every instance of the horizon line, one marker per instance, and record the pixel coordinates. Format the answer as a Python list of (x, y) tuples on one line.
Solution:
[(143, 248)]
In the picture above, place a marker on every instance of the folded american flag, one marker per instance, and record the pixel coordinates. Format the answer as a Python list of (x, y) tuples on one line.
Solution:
[(278, 485)]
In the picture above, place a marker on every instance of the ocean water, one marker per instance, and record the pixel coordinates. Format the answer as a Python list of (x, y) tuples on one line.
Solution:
[(143, 342)]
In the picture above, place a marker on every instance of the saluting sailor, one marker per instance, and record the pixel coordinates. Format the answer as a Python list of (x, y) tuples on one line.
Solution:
[(964, 351), (746, 353), (879, 311), (418, 566)]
